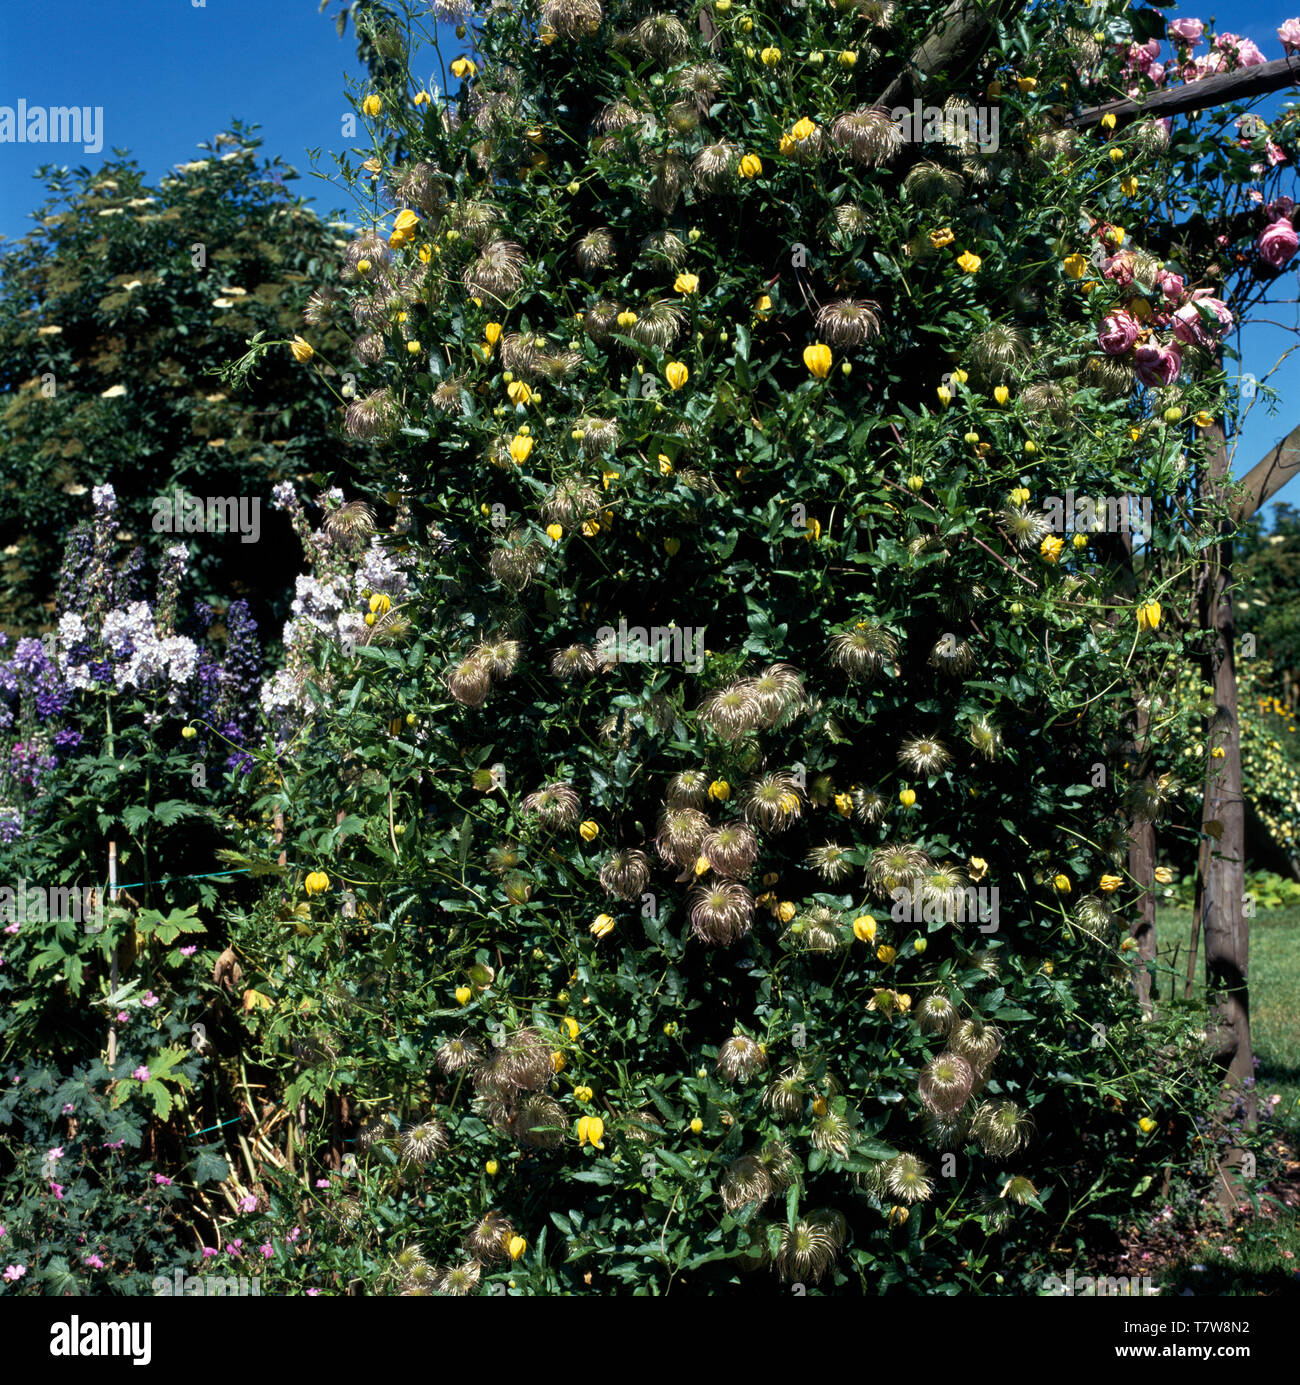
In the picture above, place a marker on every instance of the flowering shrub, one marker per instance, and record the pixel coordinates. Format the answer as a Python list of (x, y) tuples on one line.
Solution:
[(674, 346), (113, 312)]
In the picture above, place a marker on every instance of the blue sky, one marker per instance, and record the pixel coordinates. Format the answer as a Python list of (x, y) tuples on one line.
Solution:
[(172, 73)]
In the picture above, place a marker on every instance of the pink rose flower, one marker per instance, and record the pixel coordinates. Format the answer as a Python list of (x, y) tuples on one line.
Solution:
[(1171, 285), (1275, 155), (1156, 73), (1279, 207), (1249, 54), (1189, 30), (1118, 333), (1289, 33), (1158, 365), (1277, 243), (1189, 325)]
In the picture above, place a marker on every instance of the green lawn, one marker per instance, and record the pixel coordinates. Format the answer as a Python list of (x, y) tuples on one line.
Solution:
[(1274, 998), (1258, 1255)]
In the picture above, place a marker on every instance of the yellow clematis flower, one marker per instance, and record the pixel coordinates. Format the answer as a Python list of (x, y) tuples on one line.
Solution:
[(751, 166), (302, 350), (676, 374), (969, 263), (372, 105), (589, 831), (591, 1129), (317, 882), (818, 359)]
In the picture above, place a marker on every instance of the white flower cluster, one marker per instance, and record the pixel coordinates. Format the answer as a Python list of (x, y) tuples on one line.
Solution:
[(131, 639), (382, 571)]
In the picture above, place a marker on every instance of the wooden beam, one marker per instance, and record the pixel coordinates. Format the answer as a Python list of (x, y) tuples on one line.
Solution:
[(1263, 481), (960, 38), (1217, 90)]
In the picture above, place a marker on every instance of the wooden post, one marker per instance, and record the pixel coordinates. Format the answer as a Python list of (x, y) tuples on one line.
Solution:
[(112, 899)]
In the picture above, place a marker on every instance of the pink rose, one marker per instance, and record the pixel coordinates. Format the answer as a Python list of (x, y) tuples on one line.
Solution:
[(1289, 33), (1189, 30), (1275, 155), (1119, 268), (1171, 285), (1189, 324), (1158, 365), (1277, 243), (1248, 53), (1279, 207), (1156, 73), (1118, 333)]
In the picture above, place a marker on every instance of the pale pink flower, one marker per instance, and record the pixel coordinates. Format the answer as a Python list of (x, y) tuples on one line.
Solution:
[(1118, 332), (1189, 30), (1189, 325), (311, 1293), (1158, 365), (1277, 243), (268, 1250), (94, 1262), (1275, 155), (248, 1203), (1289, 32), (189, 951), (141, 1074), (1171, 285), (14, 1273)]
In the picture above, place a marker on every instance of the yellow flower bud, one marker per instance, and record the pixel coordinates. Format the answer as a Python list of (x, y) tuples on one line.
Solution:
[(317, 882), (696, 1126), (463, 995), (517, 1247), (491, 1167), (677, 374), (1061, 884), (907, 797), (818, 359), (1001, 394), (188, 732), (864, 928), (372, 105)]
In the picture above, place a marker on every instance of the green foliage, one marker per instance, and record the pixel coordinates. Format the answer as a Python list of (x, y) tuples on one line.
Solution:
[(114, 313), (570, 884)]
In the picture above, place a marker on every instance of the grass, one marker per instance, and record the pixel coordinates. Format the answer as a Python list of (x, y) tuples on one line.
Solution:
[(1259, 1254), (1274, 998)]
